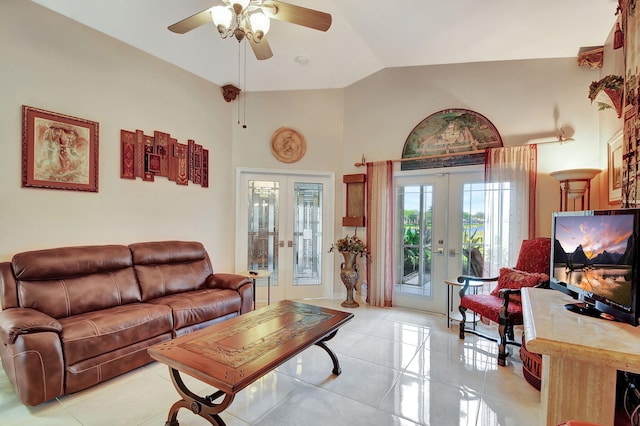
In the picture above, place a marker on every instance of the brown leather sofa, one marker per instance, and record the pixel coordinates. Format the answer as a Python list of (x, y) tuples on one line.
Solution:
[(73, 317)]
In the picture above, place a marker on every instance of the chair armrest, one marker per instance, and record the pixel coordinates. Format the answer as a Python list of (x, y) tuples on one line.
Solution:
[(228, 281), (466, 279), (506, 292), (17, 321)]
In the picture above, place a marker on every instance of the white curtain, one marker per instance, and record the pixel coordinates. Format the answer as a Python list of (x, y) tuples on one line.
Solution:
[(510, 204), (380, 233)]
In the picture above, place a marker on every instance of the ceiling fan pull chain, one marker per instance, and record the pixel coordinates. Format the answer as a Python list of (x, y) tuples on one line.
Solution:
[(240, 84), (244, 83)]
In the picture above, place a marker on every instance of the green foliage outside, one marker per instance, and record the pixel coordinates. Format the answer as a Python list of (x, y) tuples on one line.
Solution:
[(472, 243)]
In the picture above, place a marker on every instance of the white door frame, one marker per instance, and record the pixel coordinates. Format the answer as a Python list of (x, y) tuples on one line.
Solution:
[(447, 224), (328, 224)]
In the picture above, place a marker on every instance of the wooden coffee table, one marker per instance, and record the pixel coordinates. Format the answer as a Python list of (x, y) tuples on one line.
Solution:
[(235, 353)]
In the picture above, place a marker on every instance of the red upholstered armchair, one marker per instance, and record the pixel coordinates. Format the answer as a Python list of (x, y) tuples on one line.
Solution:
[(502, 305)]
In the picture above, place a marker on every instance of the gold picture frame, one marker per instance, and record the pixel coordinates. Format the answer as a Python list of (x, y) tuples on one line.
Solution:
[(615, 167), (59, 151)]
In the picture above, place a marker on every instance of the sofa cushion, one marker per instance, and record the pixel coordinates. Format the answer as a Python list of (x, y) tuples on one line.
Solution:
[(170, 267), (74, 280), (199, 306), (67, 262), (94, 333)]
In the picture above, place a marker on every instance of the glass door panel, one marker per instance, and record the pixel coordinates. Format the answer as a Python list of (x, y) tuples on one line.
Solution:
[(416, 203), (420, 242), (473, 214), (307, 241), (263, 227)]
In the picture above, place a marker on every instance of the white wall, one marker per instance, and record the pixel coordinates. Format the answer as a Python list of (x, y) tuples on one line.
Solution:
[(53, 63), (525, 100), (56, 64), (316, 114)]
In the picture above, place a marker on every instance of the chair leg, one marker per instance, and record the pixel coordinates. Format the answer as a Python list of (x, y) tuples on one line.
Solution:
[(462, 321), (510, 334), (502, 344)]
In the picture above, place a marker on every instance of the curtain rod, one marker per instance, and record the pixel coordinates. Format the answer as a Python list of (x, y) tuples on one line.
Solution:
[(424, 157)]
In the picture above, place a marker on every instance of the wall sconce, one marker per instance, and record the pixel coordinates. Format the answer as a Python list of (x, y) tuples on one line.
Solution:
[(575, 185)]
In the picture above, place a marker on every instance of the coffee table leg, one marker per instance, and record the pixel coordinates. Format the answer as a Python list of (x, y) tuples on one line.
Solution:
[(336, 364), (202, 406)]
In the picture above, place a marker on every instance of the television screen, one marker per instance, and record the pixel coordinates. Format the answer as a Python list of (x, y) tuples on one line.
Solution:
[(594, 258)]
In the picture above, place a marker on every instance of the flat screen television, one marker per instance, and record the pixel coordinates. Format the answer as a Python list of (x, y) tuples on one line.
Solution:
[(594, 258)]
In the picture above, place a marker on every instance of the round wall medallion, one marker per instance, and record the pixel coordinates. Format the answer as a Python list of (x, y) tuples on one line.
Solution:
[(287, 145)]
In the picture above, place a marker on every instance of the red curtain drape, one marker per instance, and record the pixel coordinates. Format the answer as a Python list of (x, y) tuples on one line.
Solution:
[(380, 233)]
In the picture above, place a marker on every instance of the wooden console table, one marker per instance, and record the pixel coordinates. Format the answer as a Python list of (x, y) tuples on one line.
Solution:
[(580, 357)]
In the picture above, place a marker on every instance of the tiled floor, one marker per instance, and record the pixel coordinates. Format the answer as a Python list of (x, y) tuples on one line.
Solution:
[(399, 367)]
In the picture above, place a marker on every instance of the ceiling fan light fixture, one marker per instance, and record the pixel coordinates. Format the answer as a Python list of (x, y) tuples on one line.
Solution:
[(222, 17), (239, 33), (241, 5), (260, 24), (251, 19)]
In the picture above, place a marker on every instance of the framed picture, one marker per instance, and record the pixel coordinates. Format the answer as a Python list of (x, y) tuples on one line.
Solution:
[(59, 151), (615, 168), (447, 138)]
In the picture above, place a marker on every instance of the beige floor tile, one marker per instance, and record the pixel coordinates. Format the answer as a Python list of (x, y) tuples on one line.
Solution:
[(430, 402), (399, 367)]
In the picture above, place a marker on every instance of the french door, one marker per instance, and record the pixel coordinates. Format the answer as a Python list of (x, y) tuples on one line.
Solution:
[(439, 234), (285, 226)]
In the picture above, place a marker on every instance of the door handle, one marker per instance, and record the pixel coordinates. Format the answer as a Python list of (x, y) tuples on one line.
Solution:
[(453, 253), (281, 243), (440, 251), (289, 243)]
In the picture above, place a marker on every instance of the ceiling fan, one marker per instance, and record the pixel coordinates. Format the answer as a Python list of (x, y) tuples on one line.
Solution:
[(250, 19)]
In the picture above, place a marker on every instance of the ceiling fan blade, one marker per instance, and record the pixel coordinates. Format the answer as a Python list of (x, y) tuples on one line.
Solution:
[(297, 15), (262, 50), (192, 22)]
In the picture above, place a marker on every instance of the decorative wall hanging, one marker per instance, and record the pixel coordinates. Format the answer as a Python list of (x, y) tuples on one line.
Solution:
[(356, 195), (453, 137), (147, 156), (608, 93), (593, 56), (59, 151), (287, 145)]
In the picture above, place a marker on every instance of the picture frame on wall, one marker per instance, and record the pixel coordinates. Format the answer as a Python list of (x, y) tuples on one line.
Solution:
[(59, 151), (449, 138), (615, 168)]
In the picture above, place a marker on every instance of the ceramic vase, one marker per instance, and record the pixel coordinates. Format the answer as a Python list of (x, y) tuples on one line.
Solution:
[(349, 277)]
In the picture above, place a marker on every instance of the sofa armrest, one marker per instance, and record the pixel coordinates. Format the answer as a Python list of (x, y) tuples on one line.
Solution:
[(229, 281), (239, 283), (17, 321)]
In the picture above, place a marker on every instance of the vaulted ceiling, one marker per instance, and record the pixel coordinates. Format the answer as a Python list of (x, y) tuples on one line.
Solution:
[(365, 37)]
